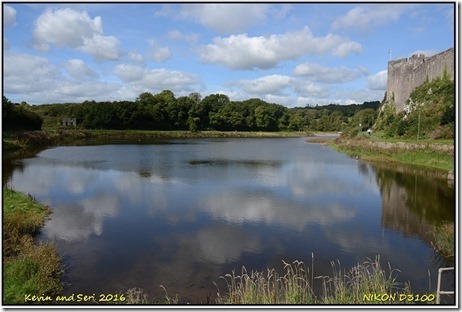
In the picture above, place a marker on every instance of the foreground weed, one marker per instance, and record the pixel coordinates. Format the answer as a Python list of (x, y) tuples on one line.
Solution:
[(350, 287), (169, 300), (296, 285), (444, 238), (268, 287), (136, 296)]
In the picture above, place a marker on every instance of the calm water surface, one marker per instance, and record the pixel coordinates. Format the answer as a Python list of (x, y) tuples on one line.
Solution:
[(181, 213)]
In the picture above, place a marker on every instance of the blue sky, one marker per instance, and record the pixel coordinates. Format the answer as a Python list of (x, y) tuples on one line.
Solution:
[(294, 54)]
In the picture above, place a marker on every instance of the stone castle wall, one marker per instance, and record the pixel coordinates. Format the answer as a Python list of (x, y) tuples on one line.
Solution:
[(406, 74)]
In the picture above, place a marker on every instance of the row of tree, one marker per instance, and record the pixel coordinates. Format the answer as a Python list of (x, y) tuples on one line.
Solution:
[(431, 114), (163, 111)]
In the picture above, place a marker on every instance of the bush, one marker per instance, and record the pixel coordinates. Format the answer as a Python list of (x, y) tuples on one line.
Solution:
[(19, 117)]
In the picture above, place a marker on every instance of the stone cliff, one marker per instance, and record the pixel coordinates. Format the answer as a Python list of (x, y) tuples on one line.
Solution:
[(404, 75)]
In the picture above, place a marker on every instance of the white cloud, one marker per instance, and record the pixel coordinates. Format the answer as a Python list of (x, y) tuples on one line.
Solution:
[(427, 53), (328, 74), (286, 100), (310, 89), (303, 101), (158, 53), (78, 69), (378, 81), (244, 52), (73, 29), (65, 28), (102, 47), (161, 79), (365, 17), (180, 36), (129, 73), (9, 16), (86, 90), (345, 48), (271, 84), (225, 18), (156, 80), (24, 73), (35, 80), (135, 56), (358, 96)]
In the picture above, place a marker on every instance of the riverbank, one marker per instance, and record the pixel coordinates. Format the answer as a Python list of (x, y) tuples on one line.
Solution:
[(430, 154), (16, 143), (28, 268)]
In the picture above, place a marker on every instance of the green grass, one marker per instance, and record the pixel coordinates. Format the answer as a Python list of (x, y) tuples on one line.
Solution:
[(425, 157), (361, 281), (444, 237), (28, 269), (186, 134), (354, 286), (268, 287), (381, 136)]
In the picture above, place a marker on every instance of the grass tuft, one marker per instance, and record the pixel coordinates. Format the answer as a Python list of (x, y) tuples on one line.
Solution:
[(350, 287), (296, 286), (28, 269), (444, 238)]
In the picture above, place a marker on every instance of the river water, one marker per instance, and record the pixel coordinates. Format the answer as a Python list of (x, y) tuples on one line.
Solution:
[(183, 212)]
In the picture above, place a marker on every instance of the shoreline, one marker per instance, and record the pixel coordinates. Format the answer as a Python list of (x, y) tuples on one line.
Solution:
[(21, 141), (431, 154), (435, 155), (175, 134), (29, 268)]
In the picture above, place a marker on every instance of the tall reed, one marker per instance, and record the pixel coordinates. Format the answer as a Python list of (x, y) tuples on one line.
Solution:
[(296, 285), (269, 287), (444, 238)]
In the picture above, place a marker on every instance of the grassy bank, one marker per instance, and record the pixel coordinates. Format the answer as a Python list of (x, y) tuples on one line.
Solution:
[(28, 269), (17, 142), (431, 154)]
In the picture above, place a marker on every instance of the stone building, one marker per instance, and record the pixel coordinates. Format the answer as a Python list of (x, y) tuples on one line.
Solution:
[(404, 75), (69, 122)]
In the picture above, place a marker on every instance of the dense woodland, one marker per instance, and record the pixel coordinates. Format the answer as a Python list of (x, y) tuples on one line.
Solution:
[(430, 114), (163, 111)]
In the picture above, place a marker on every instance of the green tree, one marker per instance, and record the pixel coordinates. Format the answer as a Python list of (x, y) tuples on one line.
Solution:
[(267, 116), (366, 118), (19, 117), (177, 112)]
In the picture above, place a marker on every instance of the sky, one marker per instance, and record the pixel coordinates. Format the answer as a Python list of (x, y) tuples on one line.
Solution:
[(293, 54)]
